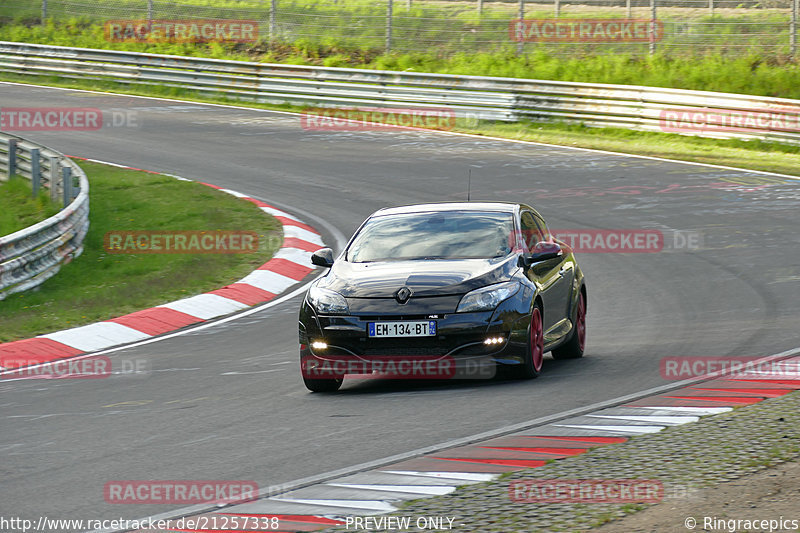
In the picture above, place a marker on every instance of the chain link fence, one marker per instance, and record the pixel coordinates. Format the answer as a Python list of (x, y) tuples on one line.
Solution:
[(446, 27)]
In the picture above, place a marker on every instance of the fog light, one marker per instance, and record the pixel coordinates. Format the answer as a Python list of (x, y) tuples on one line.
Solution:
[(319, 345), (493, 340)]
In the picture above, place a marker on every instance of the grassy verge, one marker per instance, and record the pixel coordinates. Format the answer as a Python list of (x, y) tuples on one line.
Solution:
[(442, 27), (98, 285), (755, 155), (747, 71), (19, 209)]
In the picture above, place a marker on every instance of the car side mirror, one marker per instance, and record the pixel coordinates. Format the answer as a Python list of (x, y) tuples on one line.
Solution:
[(541, 252), (322, 257)]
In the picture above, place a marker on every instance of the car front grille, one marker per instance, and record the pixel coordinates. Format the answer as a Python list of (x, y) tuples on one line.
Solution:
[(406, 350)]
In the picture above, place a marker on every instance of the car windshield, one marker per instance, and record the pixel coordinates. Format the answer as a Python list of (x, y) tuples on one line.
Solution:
[(433, 235)]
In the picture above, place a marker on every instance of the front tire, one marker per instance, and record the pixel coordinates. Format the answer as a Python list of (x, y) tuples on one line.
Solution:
[(323, 385), (573, 348), (534, 357)]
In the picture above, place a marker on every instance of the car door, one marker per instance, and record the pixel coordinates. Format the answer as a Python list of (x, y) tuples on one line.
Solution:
[(566, 272), (554, 276)]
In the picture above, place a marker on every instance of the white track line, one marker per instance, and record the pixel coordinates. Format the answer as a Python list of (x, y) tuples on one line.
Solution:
[(656, 419), (430, 490), (633, 430)]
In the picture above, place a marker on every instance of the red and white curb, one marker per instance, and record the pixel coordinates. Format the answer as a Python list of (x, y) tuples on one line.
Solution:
[(380, 490), (290, 265)]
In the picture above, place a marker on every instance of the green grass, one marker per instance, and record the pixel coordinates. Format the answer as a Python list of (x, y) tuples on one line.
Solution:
[(98, 285), (447, 27), (19, 209), (747, 72)]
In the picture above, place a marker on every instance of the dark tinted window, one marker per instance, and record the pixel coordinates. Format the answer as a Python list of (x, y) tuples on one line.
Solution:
[(542, 227), (531, 232), (435, 235)]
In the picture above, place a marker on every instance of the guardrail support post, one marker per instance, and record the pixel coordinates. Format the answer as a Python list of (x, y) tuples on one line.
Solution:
[(66, 185), (44, 10), (558, 8), (480, 7), (12, 158), (36, 173), (55, 177), (653, 17), (628, 8), (711, 6), (35, 253)]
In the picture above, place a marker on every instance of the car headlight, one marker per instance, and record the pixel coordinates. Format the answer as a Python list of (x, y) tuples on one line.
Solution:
[(327, 302), (487, 298)]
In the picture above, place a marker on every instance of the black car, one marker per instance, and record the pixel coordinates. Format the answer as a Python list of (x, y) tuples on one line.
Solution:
[(443, 290)]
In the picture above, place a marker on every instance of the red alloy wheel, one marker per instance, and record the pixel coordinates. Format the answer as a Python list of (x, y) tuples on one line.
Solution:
[(537, 340), (580, 322)]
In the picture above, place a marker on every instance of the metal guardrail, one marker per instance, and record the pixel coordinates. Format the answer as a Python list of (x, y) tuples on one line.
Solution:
[(711, 114), (506, 99), (32, 255)]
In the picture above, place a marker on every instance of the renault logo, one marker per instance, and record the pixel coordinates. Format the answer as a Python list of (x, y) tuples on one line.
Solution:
[(402, 295)]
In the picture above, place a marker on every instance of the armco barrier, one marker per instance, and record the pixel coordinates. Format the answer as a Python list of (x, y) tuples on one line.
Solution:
[(30, 256), (702, 113)]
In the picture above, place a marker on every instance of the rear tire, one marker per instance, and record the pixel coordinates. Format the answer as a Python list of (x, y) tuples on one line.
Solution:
[(323, 385), (573, 348), (534, 357)]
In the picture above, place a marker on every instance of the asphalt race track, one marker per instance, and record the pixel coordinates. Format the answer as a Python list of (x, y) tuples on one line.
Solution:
[(227, 402)]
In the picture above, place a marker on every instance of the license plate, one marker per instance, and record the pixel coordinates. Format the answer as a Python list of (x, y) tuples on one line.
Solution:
[(402, 329)]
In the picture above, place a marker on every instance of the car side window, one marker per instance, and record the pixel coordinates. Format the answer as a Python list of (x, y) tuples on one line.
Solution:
[(531, 234), (543, 231)]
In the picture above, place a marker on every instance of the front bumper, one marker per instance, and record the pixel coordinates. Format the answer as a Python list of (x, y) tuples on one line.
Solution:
[(459, 344)]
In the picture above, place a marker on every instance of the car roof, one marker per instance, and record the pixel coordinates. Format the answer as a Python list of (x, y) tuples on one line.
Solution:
[(503, 207)]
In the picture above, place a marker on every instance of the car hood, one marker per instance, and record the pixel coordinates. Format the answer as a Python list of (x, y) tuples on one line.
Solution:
[(425, 277)]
